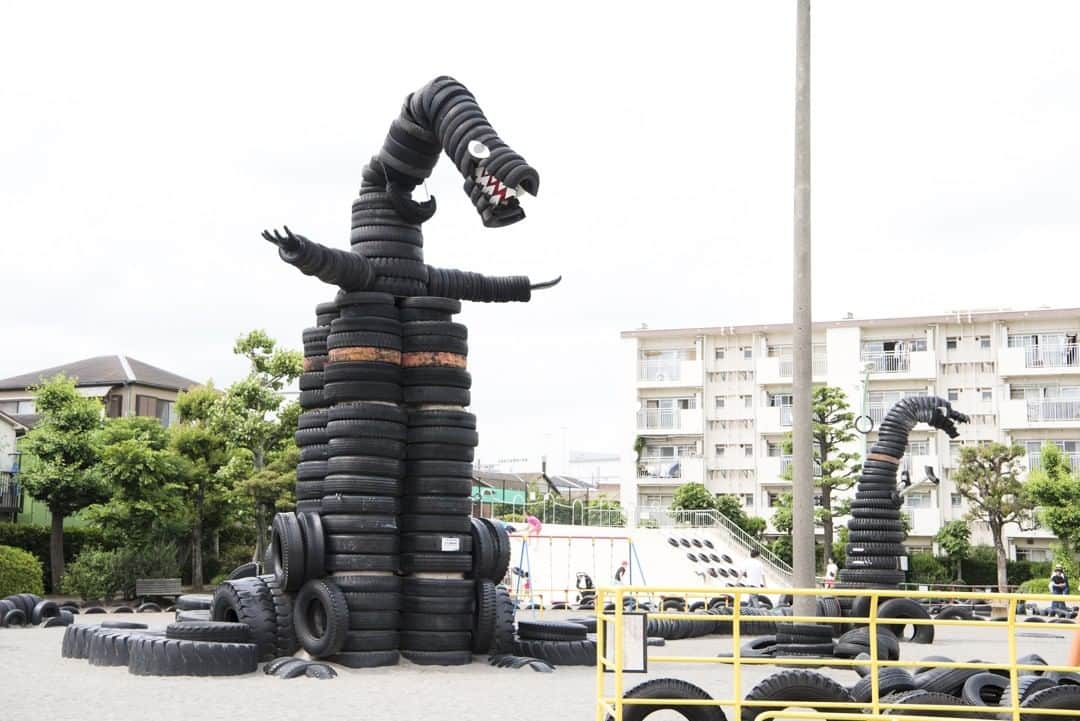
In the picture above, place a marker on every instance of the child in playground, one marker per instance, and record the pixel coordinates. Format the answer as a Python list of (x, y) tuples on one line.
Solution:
[(620, 572), (534, 526)]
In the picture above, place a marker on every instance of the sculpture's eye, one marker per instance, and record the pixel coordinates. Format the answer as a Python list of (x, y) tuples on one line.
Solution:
[(478, 150)]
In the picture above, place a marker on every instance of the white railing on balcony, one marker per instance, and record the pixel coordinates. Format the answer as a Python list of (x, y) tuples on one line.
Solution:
[(1062, 356), (787, 418), (877, 414), (888, 361), (670, 468), (787, 366), (1053, 410), (1035, 460), (658, 418), (785, 464), (658, 370)]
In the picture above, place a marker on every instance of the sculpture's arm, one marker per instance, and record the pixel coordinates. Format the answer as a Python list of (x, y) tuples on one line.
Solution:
[(464, 285), (342, 268)]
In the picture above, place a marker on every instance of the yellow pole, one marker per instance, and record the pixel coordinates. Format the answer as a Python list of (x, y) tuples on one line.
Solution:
[(618, 652), (1074, 649), (1014, 674), (598, 600)]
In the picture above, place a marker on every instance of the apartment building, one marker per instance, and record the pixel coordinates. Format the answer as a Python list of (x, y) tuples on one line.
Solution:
[(713, 405)]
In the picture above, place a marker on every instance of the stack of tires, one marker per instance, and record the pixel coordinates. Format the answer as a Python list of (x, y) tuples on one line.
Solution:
[(28, 609), (440, 603), (365, 466)]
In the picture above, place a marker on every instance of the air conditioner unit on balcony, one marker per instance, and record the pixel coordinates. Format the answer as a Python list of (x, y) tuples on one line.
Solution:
[(659, 376)]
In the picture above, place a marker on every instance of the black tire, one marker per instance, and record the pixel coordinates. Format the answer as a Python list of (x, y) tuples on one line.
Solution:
[(559, 653), (153, 656), (124, 625), (311, 437), (373, 601), (954, 612), (436, 543), (438, 451), (857, 641), (860, 537), (921, 696), (668, 688), (435, 344), (435, 486), (441, 417), (1026, 687), (875, 524), (360, 524), (440, 622), (444, 434), (802, 687), (436, 505), (483, 631), (984, 689), (444, 395), (111, 647), (285, 636), (361, 371), (311, 470), (504, 621), (860, 575), (339, 504), (314, 544), (366, 659), (551, 631), (433, 524), (76, 643), (320, 671), (365, 544), (365, 428), (194, 602), (945, 680), (875, 549), (436, 640), (365, 466), (353, 485), (43, 610), (66, 618), (123, 609), (219, 631), (311, 419), (366, 323), (890, 680), (907, 608), (438, 658), (1059, 697), (374, 620), (246, 570), (365, 411), (363, 339), (367, 446), (370, 641), (923, 669), (321, 618), (288, 558), (249, 601), (502, 544), (345, 562), (368, 584)]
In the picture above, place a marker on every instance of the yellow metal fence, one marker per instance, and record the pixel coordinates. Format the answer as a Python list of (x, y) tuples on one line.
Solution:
[(610, 683)]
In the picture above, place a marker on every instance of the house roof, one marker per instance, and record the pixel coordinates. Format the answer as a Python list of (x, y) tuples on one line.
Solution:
[(107, 370), (15, 421), (557, 483)]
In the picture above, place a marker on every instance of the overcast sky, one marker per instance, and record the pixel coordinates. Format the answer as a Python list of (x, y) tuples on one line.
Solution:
[(143, 150)]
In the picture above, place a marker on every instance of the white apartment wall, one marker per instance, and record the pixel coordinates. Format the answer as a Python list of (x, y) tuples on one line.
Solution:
[(7, 445)]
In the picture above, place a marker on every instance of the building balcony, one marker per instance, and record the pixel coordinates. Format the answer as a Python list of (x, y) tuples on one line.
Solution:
[(735, 461), (924, 521), (1034, 361), (10, 494), (779, 370), (1044, 413), (669, 374), (774, 419), (671, 471), (901, 364), (668, 421), (1034, 461)]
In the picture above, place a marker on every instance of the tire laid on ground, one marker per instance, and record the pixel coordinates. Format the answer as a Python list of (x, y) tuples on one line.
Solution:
[(1066, 696), (127, 625), (483, 631), (64, 619), (505, 611), (249, 601), (321, 618), (76, 641), (890, 680), (945, 680), (667, 688), (920, 696), (801, 687), (155, 656), (194, 602), (219, 631), (438, 658), (246, 570), (559, 653), (958, 612), (365, 659), (550, 631), (109, 647), (857, 641), (1028, 686), (148, 607), (984, 689)]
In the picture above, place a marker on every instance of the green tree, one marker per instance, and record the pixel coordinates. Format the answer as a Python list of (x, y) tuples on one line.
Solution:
[(142, 471), (989, 478), (205, 477), (693, 497), (730, 506), (258, 427), (834, 426), (955, 541), (1055, 491), (63, 473)]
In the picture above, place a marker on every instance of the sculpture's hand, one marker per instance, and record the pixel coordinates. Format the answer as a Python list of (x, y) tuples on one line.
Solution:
[(288, 242), (545, 284)]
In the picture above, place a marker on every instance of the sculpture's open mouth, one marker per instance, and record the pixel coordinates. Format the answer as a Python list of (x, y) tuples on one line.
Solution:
[(498, 194)]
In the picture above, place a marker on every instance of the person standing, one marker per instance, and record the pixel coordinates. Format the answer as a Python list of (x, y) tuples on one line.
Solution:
[(620, 572), (753, 570), (830, 573), (1059, 586)]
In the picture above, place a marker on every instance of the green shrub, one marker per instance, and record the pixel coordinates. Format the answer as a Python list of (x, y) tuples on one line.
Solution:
[(20, 572), (925, 568), (35, 539), (1035, 585), (93, 574), (512, 517)]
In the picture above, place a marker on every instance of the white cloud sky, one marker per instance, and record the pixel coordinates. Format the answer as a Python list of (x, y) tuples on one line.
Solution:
[(143, 149)]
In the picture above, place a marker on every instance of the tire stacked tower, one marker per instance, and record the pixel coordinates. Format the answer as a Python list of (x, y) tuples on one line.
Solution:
[(876, 530), (382, 554)]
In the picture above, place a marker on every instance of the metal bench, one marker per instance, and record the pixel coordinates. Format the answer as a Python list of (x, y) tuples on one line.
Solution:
[(157, 587)]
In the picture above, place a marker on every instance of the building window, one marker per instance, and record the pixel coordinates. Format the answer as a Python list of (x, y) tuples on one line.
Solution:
[(748, 401), (954, 394), (986, 394), (919, 448), (951, 342), (984, 341), (719, 448), (956, 500), (773, 450), (748, 449), (917, 500), (747, 500), (747, 352), (155, 408), (719, 352), (114, 406), (688, 404), (26, 408), (773, 500), (719, 401), (818, 500)]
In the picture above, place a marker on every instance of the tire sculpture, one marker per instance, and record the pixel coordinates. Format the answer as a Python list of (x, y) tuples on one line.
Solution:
[(385, 478), (876, 531)]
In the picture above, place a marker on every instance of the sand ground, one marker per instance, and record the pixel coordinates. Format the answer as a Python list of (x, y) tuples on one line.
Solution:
[(39, 685)]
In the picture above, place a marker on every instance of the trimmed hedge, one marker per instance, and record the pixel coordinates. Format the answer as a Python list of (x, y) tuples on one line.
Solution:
[(35, 539), (20, 572)]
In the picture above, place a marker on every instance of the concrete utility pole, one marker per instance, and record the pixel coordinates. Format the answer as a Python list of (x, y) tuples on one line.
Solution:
[(802, 346)]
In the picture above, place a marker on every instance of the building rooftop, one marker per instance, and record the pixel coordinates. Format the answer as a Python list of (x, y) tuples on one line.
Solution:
[(105, 370), (965, 316)]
